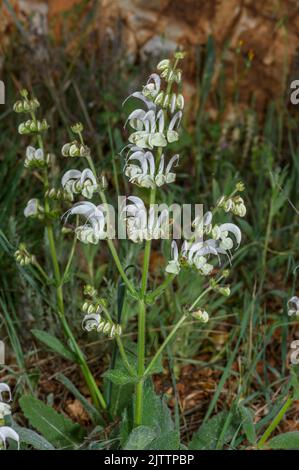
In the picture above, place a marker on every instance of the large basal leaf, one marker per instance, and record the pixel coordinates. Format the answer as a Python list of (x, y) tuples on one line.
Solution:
[(56, 428), (140, 438), (248, 424), (286, 441), (31, 438), (155, 411), (208, 435), (54, 343), (167, 441)]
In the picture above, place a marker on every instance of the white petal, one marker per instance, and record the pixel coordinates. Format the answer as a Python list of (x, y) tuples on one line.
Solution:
[(234, 229), (5, 388), (8, 433)]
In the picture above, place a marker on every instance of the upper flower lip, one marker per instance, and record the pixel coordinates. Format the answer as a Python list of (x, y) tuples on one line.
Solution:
[(5, 388)]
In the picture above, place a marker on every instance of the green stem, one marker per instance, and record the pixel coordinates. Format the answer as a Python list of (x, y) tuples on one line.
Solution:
[(165, 343), (41, 271), (159, 290), (141, 325), (275, 422), (122, 351), (140, 365), (124, 356)]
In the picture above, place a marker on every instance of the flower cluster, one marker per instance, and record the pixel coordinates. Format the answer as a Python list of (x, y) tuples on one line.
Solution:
[(23, 257), (155, 127), (209, 240), (6, 432), (75, 149), (93, 319), (77, 182), (145, 225), (33, 126)]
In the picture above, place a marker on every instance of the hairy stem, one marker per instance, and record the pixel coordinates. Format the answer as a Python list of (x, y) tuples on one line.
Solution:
[(141, 325)]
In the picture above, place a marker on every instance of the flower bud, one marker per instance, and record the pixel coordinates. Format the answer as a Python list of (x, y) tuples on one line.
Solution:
[(89, 290), (32, 127), (103, 183), (159, 98), (179, 55), (77, 128), (164, 64), (224, 291), (180, 102), (240, 186), (201, 315)]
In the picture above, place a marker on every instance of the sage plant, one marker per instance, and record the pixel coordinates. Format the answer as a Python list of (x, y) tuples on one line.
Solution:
[(155, 125), (149, 164)]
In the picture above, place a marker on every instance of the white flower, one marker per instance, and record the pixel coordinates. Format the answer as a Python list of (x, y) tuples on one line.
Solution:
[(95, 227), (34, 157), (173, 266), (293, 306), (5, 388), (5, 410), (198, 251), (145, 173), (32, 208), (143, 225), (152, 88), (8, 433), (149, 128), (77, 182), (149, 125)]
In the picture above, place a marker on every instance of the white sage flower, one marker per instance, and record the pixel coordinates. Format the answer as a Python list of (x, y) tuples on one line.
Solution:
[(95, 228), (8, 433), (5, 388), (144, 174), (145, 225), (173, 266), (5, 410), (32, 208), (293, 306), (34, 158), (77, 182)]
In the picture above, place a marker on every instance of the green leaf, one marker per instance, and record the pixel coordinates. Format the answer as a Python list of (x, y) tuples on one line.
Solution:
[(286, 441), (167, 441), (54, 343), (248, 424), (207, 436), (155, 411), (90, 409), (120, 377), (140, 438), (27, 436), (55, 427)]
